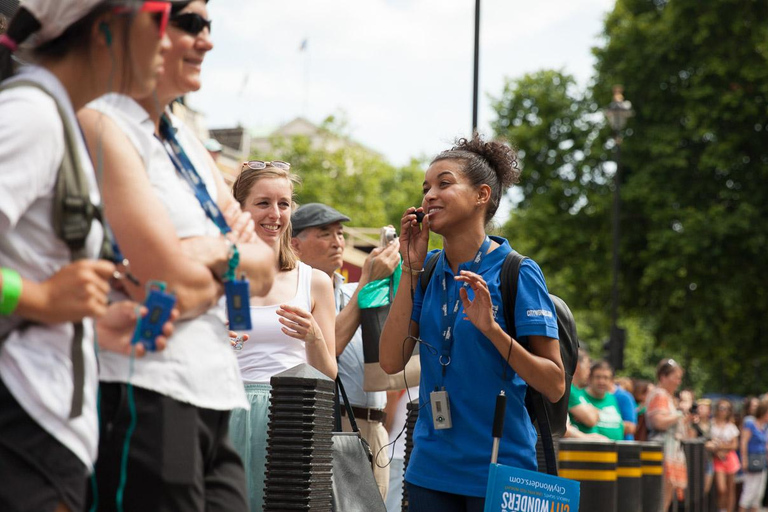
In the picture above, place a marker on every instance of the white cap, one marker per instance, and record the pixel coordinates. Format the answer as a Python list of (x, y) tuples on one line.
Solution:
[(56, 16)]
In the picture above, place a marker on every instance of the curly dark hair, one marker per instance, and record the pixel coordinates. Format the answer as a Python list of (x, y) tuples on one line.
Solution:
[(491, 163)]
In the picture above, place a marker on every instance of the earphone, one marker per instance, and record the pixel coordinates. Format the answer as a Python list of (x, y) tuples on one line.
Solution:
[(104, 28)]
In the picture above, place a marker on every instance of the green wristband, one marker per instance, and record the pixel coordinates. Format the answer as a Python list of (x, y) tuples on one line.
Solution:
[(10, 292)]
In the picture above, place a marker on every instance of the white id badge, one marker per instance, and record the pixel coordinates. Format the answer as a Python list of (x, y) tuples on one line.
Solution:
[(441, 409)]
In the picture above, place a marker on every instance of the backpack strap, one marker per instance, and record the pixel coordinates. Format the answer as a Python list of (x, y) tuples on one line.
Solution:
[(72, 216), (429, 269), (510, 274)]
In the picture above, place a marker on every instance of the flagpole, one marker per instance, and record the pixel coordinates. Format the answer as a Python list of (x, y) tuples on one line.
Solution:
[(304, 48)]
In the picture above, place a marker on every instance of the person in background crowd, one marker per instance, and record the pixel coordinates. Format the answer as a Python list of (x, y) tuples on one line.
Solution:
[(640, 390), (292, 324), (725, 435), (598, 394), (701, 424), (472, 357), (748, 409), (48, 371), (580, 411), (666, 424), (318, 240), (754, 437), (622, 390)]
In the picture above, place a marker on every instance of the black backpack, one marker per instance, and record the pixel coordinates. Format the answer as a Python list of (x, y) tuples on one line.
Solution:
[(550, 418)]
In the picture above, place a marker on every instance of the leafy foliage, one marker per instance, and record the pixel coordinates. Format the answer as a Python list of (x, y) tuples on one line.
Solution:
[(353, 179), (694, 224)]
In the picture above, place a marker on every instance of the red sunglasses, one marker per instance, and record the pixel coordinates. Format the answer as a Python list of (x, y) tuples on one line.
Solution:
[(161, 10)]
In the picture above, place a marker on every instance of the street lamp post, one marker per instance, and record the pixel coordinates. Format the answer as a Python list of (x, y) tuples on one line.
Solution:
[(476, 69), (617, 114)]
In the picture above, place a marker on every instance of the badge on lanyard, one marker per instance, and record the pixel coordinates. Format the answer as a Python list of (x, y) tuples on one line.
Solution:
[(237, 291), (159, 304), (441, 409), (238, 304)]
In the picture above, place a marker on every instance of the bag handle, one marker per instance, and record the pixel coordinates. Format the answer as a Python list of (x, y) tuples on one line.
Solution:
[(350, 414)]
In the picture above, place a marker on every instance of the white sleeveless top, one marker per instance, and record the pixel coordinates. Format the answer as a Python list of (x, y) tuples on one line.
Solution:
[(269, 351), (198, 366)]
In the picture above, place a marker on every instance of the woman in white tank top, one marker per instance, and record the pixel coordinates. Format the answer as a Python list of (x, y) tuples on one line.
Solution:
[(293, 324)]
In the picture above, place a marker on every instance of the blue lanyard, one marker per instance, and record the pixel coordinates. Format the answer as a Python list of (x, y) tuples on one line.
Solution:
[(451, 312), (184, 166)]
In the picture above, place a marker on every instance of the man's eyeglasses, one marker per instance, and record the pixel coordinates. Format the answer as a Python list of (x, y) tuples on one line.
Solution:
[(161, 13), (258, 165), (191, 23)]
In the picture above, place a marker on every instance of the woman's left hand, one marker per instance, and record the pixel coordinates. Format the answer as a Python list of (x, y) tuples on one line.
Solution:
[(115, 329), (300, 324), (479, 310)]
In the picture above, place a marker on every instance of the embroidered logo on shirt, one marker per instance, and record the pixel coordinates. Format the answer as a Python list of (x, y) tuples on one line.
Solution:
[(539, 312)]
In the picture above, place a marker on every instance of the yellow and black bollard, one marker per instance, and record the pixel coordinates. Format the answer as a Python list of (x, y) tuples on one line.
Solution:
[(629, 475), (593, 464), (652, 458)]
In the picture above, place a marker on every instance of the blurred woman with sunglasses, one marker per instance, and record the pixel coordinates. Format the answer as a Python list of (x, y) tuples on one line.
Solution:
[(177, 222), (48, 418), (292, 324), (725, 435)]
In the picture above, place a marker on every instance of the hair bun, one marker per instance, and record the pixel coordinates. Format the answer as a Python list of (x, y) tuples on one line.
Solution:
[(501, 157)]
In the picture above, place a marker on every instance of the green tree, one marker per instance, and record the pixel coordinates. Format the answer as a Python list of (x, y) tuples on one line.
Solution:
[(350, 177), (561, 216), (696, 159), (695, 163)]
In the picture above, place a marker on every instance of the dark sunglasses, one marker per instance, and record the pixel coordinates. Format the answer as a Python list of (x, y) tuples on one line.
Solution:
[(191, 23)]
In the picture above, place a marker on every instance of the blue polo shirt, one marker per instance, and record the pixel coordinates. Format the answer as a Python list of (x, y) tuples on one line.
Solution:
[(456, 460), (627, 408)]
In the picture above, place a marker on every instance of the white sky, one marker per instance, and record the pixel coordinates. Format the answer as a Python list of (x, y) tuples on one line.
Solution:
[(401, 70)]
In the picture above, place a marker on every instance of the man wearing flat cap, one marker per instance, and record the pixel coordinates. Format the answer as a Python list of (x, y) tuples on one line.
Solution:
[(318, 240)]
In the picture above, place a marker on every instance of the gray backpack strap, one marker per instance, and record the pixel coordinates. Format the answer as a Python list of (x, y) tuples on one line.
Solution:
[(73, 213)]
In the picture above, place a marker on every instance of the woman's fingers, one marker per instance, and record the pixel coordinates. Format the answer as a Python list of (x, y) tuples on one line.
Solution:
[(474, 280)]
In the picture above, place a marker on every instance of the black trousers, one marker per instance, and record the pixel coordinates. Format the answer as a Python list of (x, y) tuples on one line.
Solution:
[(180, 457), (37, 472)]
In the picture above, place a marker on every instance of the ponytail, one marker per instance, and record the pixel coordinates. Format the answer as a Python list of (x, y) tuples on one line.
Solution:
[(22, 26)]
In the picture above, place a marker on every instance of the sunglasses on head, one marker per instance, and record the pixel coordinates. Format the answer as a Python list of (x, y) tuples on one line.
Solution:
[(191, 23), (161, 12), (258, 165)]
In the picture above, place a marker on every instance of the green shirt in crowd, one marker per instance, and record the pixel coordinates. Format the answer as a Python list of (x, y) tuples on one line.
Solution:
[(610, 423), (576, 397)]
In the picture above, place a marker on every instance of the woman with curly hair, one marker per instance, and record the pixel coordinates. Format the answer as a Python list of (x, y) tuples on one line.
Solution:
[(467, 352)]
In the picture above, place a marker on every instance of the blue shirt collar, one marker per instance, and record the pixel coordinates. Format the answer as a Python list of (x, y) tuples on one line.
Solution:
[(493, 258)]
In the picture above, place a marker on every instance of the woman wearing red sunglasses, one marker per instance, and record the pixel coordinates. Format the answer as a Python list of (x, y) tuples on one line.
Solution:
[(180, 457), (48, 373)]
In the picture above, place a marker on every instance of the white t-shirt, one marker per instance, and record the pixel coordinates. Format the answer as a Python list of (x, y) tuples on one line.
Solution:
[(198, 366), (269, 351), (725, 433), (35, 364)]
